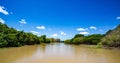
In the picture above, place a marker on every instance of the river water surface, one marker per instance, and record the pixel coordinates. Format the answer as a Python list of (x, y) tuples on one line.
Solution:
[(58, 53)]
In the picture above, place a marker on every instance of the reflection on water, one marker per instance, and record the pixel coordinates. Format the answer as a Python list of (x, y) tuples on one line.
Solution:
[(58, 53)]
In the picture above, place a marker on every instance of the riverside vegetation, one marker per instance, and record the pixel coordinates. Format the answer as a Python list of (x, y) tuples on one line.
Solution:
[(110, 39), (10, 37)]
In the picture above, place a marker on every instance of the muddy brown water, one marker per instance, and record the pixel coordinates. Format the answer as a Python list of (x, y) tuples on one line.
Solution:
[(58, 53)]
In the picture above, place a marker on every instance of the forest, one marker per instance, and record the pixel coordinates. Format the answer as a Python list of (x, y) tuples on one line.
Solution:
[(110, 39), (10, 37)]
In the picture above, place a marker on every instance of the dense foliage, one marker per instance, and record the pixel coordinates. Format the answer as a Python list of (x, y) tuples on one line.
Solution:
[(93, 39), (81, 39), (77, 40), (9, 37), (68, 41), (112, 38)]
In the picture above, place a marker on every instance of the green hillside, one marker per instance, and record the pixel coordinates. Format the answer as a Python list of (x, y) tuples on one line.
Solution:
[(112, 38)]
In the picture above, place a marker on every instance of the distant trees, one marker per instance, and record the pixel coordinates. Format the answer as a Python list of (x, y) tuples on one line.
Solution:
[(52, 39), (78, 40), (110, 39), (57, 40), (10, 37), (42, 38), (81, 39), (93, 39), (47, 40), (68, 41)]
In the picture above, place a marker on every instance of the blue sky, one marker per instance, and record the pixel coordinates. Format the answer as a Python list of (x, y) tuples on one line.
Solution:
[(61, 18)]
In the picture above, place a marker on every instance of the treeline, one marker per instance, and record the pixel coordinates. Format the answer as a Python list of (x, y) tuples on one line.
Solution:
[(10, 37), (81, 39), (110, 39)]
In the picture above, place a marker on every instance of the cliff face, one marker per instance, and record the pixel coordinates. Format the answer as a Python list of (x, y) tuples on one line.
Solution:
[(112, 39)]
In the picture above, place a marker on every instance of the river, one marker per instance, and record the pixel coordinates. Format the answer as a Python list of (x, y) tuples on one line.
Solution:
[(58, 53)]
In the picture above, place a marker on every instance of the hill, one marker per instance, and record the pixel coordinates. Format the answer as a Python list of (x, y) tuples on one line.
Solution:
[(112, 38)]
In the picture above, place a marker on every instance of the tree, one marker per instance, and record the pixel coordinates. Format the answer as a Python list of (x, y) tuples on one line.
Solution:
[(10, 37), (12, 40), (3, 42), (77, 40), (57, 40), (43, 37), (52, 39), (93, 39), (108, 32), (112, 39), (47, 40), (67, 41)]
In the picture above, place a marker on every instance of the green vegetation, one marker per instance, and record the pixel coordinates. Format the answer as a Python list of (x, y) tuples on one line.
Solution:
[(68, 41), (93, 39), (112, 38), (9, 37), (77, 40), (81, 39)]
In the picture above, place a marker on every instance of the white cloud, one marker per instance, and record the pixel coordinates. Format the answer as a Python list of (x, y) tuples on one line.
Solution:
[(54, 35), (93, 27), (118, 17), (41, 27), (2, 10), (22, 21), (82, 29), (84, 33), (62, 33), (2, 21), (35, 33)]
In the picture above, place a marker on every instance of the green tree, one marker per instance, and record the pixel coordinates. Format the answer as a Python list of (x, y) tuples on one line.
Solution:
[(47, 40), (93, 39), (67, 41), (3, 42), (12, 40), (112, 39), (52, 39), (78, 40), (43, 37), (10, 37)]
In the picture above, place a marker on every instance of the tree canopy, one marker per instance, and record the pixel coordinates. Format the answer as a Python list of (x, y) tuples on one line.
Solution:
[(81, 39), (112, 38), (10, 37)]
